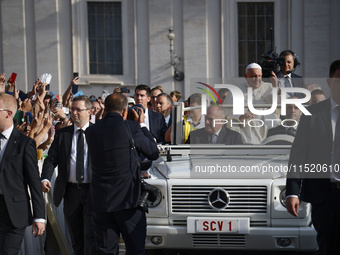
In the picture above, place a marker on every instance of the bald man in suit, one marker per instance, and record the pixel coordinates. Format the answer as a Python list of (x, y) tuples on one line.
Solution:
[(18, 171), (214, 132)]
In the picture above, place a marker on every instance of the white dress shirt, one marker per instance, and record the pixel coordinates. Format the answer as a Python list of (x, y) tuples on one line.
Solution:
[(3, 143), (73, 158), (282, 80), (167, 119), (146, 118)]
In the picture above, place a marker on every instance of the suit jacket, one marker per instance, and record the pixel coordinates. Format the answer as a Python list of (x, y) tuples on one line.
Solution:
[(115, 183), (157, 125), (19, 169), (226, 136), (297, 82), (59, 155), (312, 145)]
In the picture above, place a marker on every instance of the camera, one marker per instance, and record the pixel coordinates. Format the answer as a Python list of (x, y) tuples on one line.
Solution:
[(136, 108), (148, 193), (270, 62)]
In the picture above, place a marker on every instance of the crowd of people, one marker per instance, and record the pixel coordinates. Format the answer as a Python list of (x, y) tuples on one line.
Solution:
[(63, 126), (45, 113), (93, 140)]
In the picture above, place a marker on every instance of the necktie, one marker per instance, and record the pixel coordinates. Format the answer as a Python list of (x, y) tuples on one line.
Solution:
[(80, 157), (291, 131), (336, 147), (2, 141), (288, 85), (1, 138), (213, 139)]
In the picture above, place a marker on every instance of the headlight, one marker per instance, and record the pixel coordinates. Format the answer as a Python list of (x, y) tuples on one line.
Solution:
[(157, 202), (283, 197)]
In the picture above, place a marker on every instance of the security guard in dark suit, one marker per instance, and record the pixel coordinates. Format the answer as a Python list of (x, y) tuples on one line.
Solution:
[(18, 171), (69, 152), (116, 184), (317, 143)]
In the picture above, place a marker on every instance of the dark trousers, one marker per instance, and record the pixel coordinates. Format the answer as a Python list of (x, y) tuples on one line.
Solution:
[(10, 237), (131, 223), (79, 220), (326, 220)]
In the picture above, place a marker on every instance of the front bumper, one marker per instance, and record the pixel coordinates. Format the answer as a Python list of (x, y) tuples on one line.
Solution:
[(259, 238)]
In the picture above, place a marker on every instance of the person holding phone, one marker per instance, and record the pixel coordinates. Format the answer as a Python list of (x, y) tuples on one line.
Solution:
[(68, 95), (11, 81), (75, 84)]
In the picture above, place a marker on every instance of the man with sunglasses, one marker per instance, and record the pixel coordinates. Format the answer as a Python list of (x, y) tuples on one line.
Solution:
[(70, 153)]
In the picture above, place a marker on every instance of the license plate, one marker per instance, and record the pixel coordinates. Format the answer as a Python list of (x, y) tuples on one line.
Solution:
[(218, 225)]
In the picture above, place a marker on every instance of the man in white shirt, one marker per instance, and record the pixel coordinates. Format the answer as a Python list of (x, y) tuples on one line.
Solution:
[(19, 170), (154, 121), (69, 152), (163, 106), (286, 77)]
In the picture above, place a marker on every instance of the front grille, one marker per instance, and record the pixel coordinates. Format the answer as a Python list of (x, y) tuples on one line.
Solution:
[(179, 222), (194, 199), (261, 223), (218, 241)]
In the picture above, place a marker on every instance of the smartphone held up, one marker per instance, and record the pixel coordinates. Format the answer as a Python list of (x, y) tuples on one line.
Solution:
[(13, 77)]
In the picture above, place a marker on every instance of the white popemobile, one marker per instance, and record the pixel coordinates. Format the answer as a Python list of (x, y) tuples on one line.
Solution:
[(219, 197)]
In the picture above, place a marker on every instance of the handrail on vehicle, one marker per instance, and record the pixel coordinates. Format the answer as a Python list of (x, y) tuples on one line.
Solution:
[(220, 149)]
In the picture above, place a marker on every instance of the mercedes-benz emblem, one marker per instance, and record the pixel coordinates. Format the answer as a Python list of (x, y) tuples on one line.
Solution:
[(218, 198)]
